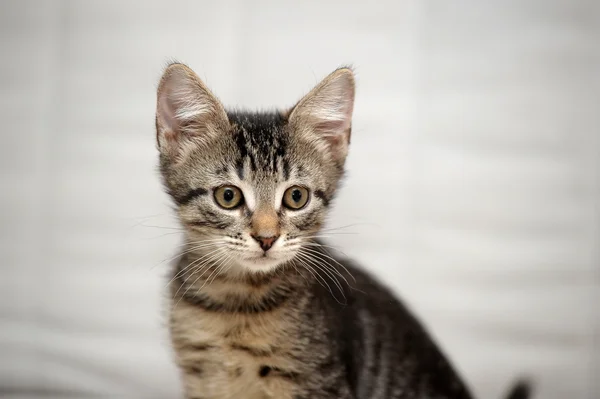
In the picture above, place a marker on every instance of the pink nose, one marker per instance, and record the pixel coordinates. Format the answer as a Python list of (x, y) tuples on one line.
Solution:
[(265, 242)]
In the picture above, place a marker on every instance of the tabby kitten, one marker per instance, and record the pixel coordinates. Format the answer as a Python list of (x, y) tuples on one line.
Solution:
[(252, 313)]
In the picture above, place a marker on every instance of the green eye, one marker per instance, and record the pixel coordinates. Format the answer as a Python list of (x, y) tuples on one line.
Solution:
[(229, 197), (295, 197)]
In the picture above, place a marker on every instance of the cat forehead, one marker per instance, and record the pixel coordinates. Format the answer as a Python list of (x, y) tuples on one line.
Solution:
[(262, 142), (257, 121)]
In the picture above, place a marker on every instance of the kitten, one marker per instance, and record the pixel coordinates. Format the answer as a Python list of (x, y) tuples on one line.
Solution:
[(259, 308)]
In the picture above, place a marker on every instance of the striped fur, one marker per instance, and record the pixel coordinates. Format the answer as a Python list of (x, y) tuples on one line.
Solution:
[(291, 321)]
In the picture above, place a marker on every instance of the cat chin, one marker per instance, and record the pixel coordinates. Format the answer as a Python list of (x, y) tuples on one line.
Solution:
[(260, 264)]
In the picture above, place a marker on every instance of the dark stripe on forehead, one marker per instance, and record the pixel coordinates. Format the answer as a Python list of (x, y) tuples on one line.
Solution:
[(239, 167), (189, 196), (286, 169), (242, 139), (260, 138)]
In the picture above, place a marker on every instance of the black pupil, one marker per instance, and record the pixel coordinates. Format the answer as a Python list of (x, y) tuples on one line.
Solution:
[(228, 195), (296, 195)]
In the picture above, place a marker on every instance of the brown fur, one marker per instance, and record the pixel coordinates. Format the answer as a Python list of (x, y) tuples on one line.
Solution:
[(222, 354), (287, 321)]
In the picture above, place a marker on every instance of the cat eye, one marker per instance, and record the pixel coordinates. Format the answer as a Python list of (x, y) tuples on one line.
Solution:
[(229, 197), (295, 197)]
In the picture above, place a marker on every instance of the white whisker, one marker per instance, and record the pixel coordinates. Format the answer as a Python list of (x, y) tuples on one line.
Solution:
[(221, 261), (315, 252), (328, 273), (191, 264), (303, 258), (316, 275), (213, 258), (190, 249)]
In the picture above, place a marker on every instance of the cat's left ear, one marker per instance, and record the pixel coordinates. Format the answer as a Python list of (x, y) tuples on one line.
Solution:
[(325, 114), (188, 114)]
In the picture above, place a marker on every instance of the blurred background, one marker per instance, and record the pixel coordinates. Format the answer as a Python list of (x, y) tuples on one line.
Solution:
[(473, 186)]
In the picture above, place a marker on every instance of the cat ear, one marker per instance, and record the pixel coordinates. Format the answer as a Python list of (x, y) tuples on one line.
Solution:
[(187, 113), (325, 114)]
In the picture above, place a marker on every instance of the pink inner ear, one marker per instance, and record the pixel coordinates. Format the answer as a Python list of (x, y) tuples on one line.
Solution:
[(170, 134), (336, 134), (166, 112)]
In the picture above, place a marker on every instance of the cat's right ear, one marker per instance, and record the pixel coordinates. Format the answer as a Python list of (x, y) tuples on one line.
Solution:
[(324, 115), (187, 113)]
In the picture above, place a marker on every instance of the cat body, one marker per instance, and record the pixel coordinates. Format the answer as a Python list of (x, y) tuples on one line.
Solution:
[(295, 339), (259, 307)]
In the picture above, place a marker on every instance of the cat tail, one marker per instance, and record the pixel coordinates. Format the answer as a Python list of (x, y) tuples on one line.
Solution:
[(520, 390)]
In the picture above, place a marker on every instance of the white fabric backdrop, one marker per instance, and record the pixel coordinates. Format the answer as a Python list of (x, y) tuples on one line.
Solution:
[(473, 184)]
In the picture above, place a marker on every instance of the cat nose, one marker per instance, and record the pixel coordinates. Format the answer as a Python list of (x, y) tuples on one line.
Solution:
[(265, 242)]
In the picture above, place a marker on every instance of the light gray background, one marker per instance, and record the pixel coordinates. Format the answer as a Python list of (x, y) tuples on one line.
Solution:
[(473, 185)]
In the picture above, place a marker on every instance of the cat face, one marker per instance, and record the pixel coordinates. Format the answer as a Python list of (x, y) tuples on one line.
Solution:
[(251, 189)]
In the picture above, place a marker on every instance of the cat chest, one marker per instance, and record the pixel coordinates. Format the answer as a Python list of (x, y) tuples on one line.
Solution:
[(235, 355)]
